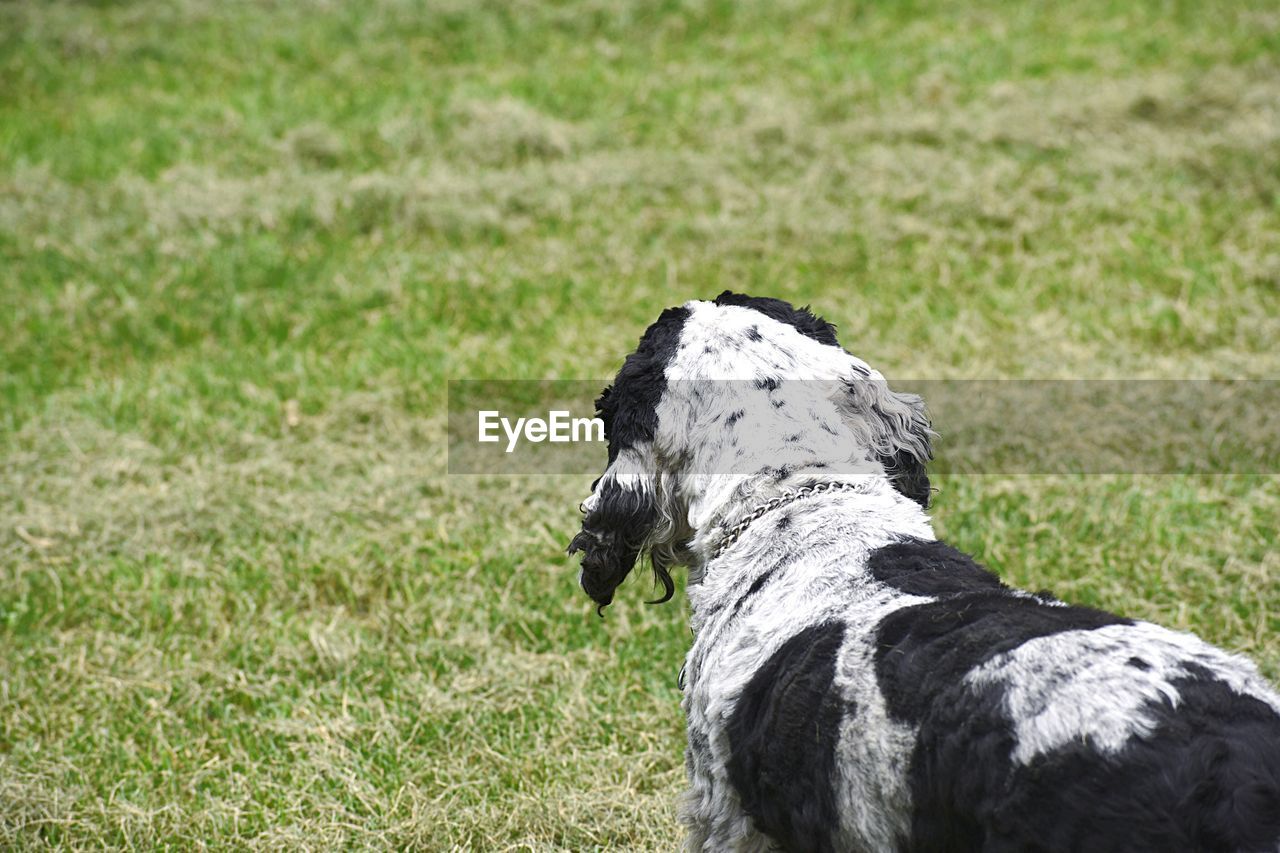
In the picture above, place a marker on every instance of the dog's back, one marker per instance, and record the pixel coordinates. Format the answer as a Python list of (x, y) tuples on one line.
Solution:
[(1044, 726)]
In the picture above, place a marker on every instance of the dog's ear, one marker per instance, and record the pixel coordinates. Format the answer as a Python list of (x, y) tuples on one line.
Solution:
[(894, 425), (627, 515), (619, 523)]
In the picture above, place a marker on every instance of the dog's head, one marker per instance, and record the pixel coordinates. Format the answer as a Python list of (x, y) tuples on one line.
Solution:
[(705, 376)]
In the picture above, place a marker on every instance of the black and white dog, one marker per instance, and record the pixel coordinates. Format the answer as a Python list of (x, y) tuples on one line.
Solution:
[(856, 684)]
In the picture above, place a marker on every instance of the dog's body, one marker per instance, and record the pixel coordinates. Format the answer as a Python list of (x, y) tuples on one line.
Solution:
[(855, 684)]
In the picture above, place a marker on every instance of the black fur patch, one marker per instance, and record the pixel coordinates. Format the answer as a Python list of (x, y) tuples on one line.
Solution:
[(1208, 779), (924, 651), (629, 407), (802, 320), (783, 735), (965, 743), (920, 567), (909, 476)]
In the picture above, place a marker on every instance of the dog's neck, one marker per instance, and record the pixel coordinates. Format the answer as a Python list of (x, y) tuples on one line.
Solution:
[(723, 504), (764, 520)]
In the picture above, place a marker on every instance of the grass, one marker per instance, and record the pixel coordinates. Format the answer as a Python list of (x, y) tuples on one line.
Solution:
[(243, 245)]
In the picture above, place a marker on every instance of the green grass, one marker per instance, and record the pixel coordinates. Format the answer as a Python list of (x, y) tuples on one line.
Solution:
[(243, 244)]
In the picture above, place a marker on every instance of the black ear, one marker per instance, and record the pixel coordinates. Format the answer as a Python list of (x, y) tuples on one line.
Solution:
[(908, 475), (623, 520), (619, 521)]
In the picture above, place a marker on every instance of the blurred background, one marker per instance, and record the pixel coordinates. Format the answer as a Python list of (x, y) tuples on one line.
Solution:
[(244, 244)]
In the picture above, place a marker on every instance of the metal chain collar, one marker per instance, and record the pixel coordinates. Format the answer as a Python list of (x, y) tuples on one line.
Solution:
[(764, 509), (769, 506)]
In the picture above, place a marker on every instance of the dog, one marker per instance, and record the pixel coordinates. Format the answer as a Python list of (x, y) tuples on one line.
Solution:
[(856, 684)]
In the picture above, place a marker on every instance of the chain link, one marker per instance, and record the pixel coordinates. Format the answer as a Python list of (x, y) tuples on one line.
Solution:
[(769, 506)]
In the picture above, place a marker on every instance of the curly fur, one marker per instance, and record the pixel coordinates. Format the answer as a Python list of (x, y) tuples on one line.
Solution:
[(855, 684)]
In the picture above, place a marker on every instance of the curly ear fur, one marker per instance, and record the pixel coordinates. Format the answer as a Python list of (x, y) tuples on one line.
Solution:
[(896, 428), (627, 515), (614, 532)]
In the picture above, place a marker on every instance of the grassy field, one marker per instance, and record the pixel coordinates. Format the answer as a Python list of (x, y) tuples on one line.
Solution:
[(244, 243)]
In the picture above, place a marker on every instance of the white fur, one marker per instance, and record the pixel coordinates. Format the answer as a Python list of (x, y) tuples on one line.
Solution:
[(1054, 697)]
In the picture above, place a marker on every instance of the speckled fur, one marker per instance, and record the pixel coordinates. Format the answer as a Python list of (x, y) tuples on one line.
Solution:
[(854, 684)]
